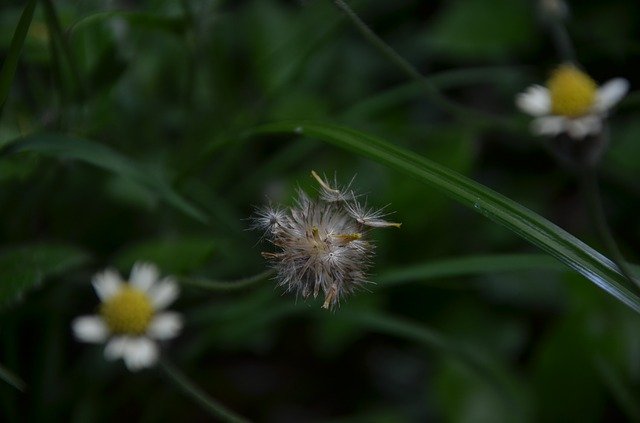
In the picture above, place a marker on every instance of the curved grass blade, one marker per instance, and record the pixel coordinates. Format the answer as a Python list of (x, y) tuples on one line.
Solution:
[(13, 380), (515, 217), (504, 384), (466, 266), (175, 24), (11, 61), (101, 156)]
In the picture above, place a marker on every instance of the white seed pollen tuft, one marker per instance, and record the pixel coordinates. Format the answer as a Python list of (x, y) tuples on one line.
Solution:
[(322, 244)]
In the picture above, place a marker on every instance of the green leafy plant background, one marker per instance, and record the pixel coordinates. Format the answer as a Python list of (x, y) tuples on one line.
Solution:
[(150, 130)]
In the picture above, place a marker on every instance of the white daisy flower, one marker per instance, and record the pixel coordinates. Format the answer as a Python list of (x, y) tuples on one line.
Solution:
[(571, 103), (132, 316)]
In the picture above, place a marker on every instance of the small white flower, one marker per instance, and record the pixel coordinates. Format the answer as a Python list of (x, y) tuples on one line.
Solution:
[(322, 244), (571, 103), (132, 316)]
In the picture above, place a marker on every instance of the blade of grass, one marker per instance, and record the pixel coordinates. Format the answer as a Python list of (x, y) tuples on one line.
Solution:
[(101, 156), (447, 79), (175, 24), (464, 113), (211, 405), (11, 61), (58, 37), (619, 389), (485, 366), (13, 380), (523, 222), (465, 266)]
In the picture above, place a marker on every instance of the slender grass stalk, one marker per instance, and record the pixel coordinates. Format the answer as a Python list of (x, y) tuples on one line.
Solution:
[(58, 35), (408, 69), (591, 192), (211, 405), (620, 391), (485, 366), (12, 379), (11, 60), (233, 285)]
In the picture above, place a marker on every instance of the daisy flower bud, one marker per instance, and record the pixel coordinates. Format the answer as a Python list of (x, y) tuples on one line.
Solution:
[(322, 245), (571, 103), (132, 315)]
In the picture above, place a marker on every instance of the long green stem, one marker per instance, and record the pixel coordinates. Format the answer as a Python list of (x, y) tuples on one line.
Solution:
[(591, 192), (408, 69), (234, 285), (212, 406)]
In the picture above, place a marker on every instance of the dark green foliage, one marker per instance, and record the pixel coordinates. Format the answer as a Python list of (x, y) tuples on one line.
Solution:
[(150, 130)]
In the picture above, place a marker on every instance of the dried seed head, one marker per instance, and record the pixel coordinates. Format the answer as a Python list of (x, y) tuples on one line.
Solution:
[(322, 244)]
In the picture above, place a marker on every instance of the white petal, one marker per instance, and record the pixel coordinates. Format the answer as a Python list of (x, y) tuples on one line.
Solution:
[(116, 347), (106, 284), (163, 293), (165, 325), (139, 353), (581, 127), (535, 101), (143, 275), (90, 329), (610, 93), (549, 125)]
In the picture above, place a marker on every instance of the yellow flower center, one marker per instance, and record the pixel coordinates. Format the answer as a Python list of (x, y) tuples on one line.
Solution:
[(572, 91), (128, 312)]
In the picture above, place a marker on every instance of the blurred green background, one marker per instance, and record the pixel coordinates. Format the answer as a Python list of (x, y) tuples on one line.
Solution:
[(133, 113)]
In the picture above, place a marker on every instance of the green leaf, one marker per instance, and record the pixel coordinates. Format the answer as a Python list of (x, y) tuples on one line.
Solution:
[(515, 217), (11, 60), (25, 268), (101, 156)]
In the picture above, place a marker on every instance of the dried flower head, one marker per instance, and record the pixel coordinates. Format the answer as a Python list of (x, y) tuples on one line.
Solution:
[(571, 103), (322, 244)]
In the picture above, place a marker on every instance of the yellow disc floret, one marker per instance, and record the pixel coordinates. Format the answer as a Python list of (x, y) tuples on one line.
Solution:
[(127, 312), (572, 91)]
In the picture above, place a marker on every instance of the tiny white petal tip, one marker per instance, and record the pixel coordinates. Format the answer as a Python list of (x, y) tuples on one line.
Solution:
[(165, 325), (140, 353), (164, 293), (144, 275), (90, 329), (116, 347), (535, 101), (107, 284), (610, 93)]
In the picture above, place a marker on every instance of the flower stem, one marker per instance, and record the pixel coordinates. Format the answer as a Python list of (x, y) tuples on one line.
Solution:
[(215, 408), (234, 285), (591, 192), (562, 40), (408, 69)]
